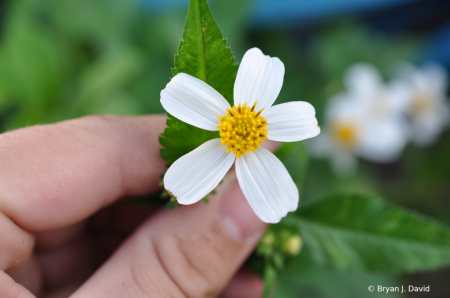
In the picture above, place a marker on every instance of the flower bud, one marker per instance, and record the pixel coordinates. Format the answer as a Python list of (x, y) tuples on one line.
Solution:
[(268, 239), (293, 245)]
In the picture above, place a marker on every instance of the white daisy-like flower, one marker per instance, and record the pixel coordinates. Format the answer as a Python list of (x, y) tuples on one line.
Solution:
[(365, 121), (264, 180), (427, 106)]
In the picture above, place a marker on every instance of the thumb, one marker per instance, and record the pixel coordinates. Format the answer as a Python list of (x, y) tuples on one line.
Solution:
[(192, 251)]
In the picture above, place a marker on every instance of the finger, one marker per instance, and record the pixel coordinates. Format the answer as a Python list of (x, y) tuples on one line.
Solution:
[(56, 175), (245, 284), (111, 226), (29, 275), (58, 238), (70, 263), (16, 245), (10, 289), (63, 292), (65, 255), (192, 251), (271, 145), (120, 218)]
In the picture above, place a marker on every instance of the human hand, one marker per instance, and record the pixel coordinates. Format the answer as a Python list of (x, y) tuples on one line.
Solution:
[(58, 184)]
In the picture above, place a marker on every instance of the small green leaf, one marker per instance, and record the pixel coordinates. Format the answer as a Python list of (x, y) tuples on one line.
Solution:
[(171, 205), (203, 53), (270, 279), (365, 233)]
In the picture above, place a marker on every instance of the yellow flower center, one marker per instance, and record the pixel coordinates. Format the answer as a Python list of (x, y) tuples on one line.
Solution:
[(421, 103), (345, 134), (242, 129)]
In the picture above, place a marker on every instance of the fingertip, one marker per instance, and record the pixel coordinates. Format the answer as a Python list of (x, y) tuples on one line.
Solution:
[(240, 221)]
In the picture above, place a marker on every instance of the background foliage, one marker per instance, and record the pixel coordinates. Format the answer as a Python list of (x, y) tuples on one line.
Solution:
[(65, 59)]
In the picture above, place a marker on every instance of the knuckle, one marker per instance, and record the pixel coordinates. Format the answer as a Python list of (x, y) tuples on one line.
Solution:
[(196, 264), (148, 275), (142, 278)]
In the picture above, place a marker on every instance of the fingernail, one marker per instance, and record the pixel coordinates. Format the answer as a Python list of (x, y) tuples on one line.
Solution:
[(239, 220)]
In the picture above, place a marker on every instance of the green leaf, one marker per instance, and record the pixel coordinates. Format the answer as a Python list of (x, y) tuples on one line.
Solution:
[(270, 279), (102, 83), (364, 233), (303, 278), (203, 53), (335, 51), (180, 138)]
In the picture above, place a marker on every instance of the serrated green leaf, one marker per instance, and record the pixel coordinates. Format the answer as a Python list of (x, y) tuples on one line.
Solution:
[(364, 233), (180, 138), (203, 53)]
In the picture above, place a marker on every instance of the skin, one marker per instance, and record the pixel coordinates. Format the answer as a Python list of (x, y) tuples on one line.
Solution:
[(62, 232)]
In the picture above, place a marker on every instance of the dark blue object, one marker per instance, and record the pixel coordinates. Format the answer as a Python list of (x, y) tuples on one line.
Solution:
[(269, 12), (437, 47)]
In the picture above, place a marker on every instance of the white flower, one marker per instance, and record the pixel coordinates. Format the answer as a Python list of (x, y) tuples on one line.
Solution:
[(262, 177), (427, 107), (365, 121)]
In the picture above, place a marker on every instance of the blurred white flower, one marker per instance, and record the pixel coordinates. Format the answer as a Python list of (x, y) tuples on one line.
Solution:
[(264, 180), (365, 121), (427, 107)]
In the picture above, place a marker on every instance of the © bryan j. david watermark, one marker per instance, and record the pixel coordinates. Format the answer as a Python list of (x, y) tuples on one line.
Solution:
[(401, 289)]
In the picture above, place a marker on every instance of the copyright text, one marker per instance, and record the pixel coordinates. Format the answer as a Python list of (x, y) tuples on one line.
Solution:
[(401, 289)]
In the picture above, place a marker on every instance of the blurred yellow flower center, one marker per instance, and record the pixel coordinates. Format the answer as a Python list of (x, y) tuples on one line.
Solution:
[(421, 103), (242, 129), (345, 134)]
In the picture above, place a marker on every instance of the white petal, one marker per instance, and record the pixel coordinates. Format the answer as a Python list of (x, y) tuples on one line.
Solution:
[(398, 95), (197, 173), (292, 122), (383, 141), (427, 127), (259, 78), (433, 76), (363, 78), (267, 185), (342, 106), (193, 101)]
